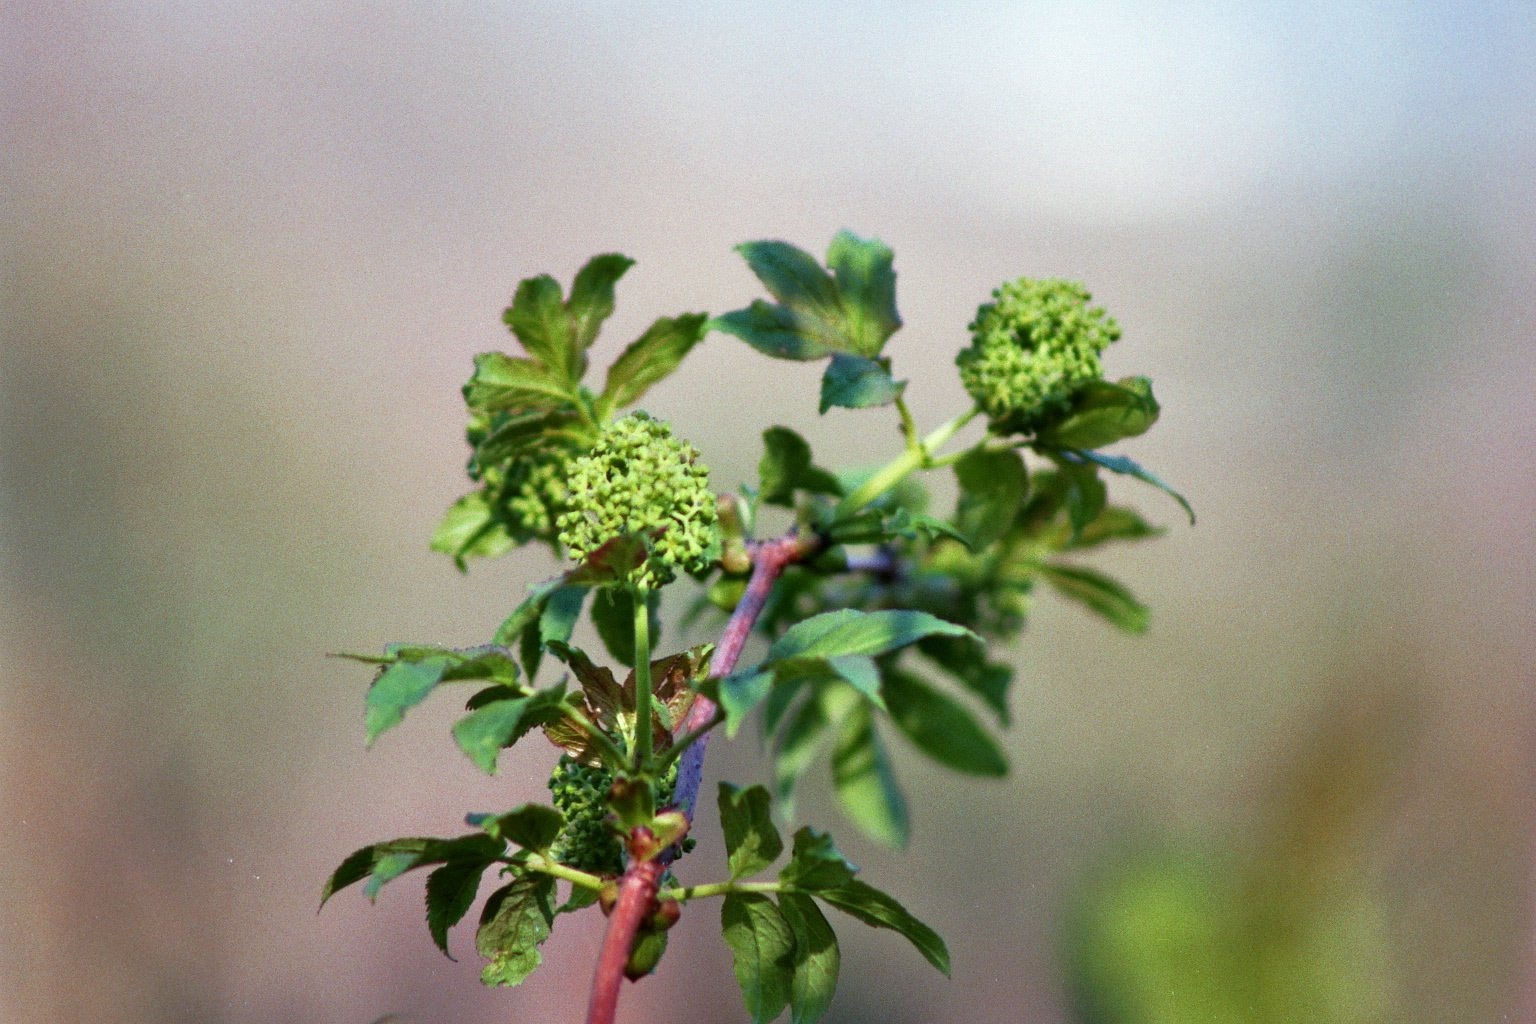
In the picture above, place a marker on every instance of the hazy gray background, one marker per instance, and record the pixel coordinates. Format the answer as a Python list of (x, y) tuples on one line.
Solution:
[(251, 249)]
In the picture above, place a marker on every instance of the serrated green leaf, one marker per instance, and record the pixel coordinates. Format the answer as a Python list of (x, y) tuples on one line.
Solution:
[(592, 299), (650, 358), (738, 693), (849, 631), (469, 529), (358, 865), (940, 727), (399, 688), (786, 467), (992, 487), (878, 910), (531, 826), (503, 382), (775, 331), (1114, 522), (528, 613), (816, 958), (540, 321), (965, 660), (793, 276), (1127, 467), (762, 953), (451, 892), (751, 840), (1098, 593), (854, 382), (865, 785), (816, 863), (1103, 413), (484, 732), (866, 287), (529, 433), (515, 922)]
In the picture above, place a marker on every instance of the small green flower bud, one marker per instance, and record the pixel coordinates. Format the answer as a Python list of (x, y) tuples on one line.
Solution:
[(1031, 349), (639, 480)]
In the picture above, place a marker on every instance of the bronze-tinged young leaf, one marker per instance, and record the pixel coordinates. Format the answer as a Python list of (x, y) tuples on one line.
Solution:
[(941, 727), (854, 382), (762, 953), (878, 910), (816, 958), (751, 840), (1098, 593), (650, 358), (501, 382), (515, 922), (865, 785)]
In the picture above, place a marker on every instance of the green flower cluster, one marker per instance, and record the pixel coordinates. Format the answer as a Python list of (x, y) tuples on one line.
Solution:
[(1031, 349), (525, 490), (640, 481), (588, 842)]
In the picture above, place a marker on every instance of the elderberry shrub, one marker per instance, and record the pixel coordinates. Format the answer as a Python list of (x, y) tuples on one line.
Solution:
[(878, 617)]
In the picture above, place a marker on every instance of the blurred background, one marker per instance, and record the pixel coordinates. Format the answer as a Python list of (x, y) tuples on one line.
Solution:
[(251, 249)]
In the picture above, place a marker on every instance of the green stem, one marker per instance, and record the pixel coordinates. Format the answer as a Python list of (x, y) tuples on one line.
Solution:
[(698, 892), (641, 747), (918, 456), (557, 870)]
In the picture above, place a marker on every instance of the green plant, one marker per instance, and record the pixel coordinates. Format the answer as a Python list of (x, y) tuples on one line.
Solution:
[(862, 602)]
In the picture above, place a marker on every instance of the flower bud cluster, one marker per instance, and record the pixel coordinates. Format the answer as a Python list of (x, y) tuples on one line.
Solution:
[(588, 842), (639, 480), (1031, 349)]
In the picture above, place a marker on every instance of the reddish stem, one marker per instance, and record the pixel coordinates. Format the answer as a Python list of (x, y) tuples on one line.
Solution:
[(642, 878)]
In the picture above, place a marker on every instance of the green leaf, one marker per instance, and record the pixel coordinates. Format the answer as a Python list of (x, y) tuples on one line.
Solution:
[(786, 467), (861, 775), (1103, 413), (1126, 467), (775, 331), (801, 738), (529, 612), (1098, 593), (942, 728), (503, 382), (539, 319), (849, 631), (816, 863), (866, 285), (451, 892), (592, 298), (531, 826), (992, 487), (966, 661), (738, 693), (751, 841), (469, 529), (878, 910), (360, 863), (816, 958), (793, 276), (613, 613), (557, 621), (399, 687), (762, 953), (382, 863), (1083, 492), (484, 732), (859, 671), (854, 382), (515, 921), (650, 358)]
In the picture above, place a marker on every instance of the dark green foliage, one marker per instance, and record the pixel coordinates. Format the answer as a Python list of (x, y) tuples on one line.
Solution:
[(881, 620)]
